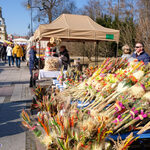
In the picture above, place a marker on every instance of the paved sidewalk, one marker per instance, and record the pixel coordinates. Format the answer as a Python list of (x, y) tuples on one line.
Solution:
[(15, 95)]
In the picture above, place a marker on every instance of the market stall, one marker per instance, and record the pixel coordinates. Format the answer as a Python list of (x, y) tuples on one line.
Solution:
[(98, 103), (68, 27), (80, 28)]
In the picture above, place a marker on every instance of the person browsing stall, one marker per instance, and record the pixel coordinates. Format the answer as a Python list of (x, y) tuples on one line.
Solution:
[(140, 53)]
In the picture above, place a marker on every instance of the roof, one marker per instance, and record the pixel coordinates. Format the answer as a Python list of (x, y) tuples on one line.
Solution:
[(75, 27)]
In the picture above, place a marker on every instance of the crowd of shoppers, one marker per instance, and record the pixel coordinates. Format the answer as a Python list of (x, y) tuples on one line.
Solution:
[(12, 53)]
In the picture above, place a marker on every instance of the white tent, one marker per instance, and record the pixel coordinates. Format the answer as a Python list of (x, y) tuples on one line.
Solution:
[(20, 41)]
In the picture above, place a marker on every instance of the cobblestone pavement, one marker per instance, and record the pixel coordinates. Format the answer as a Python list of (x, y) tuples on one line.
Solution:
[(15, 95)]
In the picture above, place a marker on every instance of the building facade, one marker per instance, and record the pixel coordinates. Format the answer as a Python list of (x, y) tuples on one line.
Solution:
[(2, 27)]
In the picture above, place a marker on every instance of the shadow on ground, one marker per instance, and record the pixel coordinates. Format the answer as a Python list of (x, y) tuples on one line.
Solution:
[(10, 122), (1, 66), (14, 82)]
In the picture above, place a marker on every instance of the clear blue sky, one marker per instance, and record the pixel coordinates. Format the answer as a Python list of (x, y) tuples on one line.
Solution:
[(17, 18)]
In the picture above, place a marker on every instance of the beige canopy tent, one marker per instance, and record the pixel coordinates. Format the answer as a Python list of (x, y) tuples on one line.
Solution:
[(75, 27), (69, 27)]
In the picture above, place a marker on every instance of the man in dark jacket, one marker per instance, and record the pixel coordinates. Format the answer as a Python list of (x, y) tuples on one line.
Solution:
[(140, 53), (64, 56), (32, 63)]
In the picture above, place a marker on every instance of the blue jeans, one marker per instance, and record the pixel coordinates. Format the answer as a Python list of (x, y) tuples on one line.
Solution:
[(18, 61), (10, 59)]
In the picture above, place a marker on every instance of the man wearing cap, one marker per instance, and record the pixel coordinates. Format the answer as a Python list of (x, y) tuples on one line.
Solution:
[(32, 61)]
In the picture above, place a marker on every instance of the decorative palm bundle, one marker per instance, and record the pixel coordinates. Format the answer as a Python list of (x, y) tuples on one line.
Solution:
[(124, 144), (60, 78), (88, 72), (73, 76), (29, 124), (139, 89), (128, 113), (118, 102), (113, 89), (145, 128), (103, 86), (52, 64), (39, 93), (72, 128)]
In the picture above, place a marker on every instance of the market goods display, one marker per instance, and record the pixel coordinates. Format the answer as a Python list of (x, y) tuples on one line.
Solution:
[(115, 99), (52, 64), (74, 76)]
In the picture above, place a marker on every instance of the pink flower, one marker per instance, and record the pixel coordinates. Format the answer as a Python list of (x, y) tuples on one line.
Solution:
[(119, 106), (141, 116), (133, 112), (118, 119)]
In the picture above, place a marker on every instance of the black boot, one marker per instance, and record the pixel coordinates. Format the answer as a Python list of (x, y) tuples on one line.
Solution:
[(31, 83), (34, 82)]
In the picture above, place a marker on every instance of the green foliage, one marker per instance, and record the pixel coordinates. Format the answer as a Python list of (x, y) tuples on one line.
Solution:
[(105, 21), (127, 29)]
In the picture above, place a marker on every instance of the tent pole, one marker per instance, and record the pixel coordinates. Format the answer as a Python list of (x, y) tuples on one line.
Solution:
[(117, 50), (97, 50), (39, 56), (83, 51), (96, 53)]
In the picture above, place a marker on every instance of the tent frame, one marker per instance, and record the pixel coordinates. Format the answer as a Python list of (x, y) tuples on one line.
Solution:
[(96, 50)]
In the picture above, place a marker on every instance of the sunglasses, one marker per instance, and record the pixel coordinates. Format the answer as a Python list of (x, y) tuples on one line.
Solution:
[(138, 46)]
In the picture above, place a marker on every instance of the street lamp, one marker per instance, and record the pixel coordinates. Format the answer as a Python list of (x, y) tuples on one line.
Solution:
[(29, 6)]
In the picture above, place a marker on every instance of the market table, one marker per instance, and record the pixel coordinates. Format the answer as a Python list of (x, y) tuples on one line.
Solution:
[(48, 74)]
